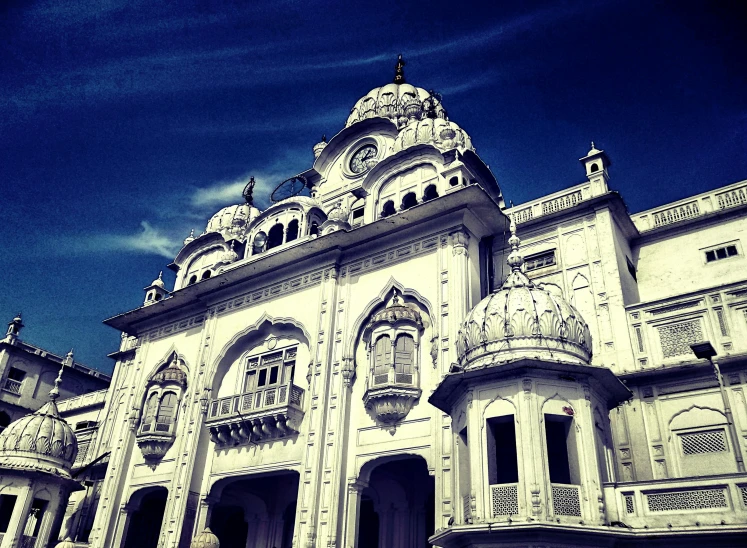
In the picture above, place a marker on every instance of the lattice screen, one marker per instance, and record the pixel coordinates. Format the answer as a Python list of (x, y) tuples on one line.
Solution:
[(743, 490), (629, 506), (703, 442), (677, 338), (466, 507), (687, 500), (566, 501), (505, 499)]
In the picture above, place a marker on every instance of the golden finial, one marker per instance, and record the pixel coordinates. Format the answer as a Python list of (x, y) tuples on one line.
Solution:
[(399, 70)]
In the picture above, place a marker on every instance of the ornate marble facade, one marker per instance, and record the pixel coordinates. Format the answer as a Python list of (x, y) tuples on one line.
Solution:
[(392, 362)]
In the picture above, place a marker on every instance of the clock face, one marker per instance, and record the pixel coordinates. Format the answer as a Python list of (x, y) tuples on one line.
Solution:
[(363, 159)]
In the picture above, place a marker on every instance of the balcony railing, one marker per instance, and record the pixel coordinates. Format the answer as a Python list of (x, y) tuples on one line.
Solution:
[(659, 503), (271, 411), (566, 500), (504, 499), (558, 201), (264, 398), (13, 386), (690, 208)]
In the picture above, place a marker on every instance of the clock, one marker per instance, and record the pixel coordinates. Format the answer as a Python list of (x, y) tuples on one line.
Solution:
[(363, 159)]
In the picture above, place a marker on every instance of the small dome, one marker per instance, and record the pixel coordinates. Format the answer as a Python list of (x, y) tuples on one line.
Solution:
[(393, 101), (320, 146), (41, 441), (67, 543), (395, 312), (173, 373), (190, 238), (232, 219), (522, 320), (206, 539), (593, 150), (442, 133), (158, 282), (338, 214)]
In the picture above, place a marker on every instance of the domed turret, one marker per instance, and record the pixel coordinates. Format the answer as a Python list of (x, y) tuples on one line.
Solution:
[(67, 543), (173, 373), (41, 441), (522, 320)]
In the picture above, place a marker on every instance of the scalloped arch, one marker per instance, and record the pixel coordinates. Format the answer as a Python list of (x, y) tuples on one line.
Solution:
[(497, 397), (699, 408), (379, 300), (364, 472), (558, 398), (246, 334)]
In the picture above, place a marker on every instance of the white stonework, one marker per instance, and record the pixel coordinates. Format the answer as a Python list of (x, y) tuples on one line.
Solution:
[(381, 365)]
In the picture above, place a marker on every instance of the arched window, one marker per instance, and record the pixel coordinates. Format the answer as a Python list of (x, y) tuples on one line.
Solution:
[(150, 412), (314, 229), (388, 209), (166, 410), (158, 296), (382, 359), (192, 279), (258, 245), (206, 274), (409, 200), (593, 168), (275, 236), (430, 193), (454, 181), (292, 233), (403, 358)]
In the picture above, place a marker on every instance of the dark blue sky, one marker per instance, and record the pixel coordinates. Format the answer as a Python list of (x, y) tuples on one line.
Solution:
[(123, 127)]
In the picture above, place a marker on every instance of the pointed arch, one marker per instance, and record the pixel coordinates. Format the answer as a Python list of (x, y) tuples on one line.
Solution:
[(712, 412), (556, 401)]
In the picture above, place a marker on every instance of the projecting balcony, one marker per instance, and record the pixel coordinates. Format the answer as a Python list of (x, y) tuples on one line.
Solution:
[(266, 413), (713, 500)]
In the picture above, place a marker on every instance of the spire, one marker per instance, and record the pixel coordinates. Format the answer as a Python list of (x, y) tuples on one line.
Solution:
[(55, 392), (399, 70), (248, 191), (515, 259)]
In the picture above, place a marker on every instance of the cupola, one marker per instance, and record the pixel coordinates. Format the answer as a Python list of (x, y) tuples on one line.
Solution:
[(14, 329), (595, 162), (522, 319), (156, 291), (40, 442)]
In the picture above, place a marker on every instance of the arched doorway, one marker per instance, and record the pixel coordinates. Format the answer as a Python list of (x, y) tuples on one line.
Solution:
[(256, 511), (145, 523), (397, 508)]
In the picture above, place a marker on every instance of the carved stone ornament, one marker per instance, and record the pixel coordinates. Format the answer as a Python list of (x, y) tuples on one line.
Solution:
[(154, 447), (391, 404)]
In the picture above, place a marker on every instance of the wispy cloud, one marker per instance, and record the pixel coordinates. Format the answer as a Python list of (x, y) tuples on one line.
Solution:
[(147, 240)]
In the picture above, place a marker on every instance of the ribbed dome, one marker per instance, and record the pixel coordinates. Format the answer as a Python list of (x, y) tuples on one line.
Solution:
[(339, 214), (395, 312), (206, 539), (393, 101), (67, 543), (442, 133), (522, 320), (173, 373), (232, 218), (41, 441)]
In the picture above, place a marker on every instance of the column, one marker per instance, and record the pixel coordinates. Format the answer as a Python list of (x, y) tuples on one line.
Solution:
[(123, 522), (18, 518), (204, 511), (353, 512)]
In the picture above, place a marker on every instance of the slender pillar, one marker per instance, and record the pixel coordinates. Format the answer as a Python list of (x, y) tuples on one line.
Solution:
[(18, 518), (355, 494), (123, 523)]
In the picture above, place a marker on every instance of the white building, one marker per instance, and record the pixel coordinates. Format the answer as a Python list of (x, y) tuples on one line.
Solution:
[(384, 364)]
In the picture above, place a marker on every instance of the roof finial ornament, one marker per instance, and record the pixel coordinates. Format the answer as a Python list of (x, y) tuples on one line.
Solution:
[(248, 190), (515, 259), (55, 392), (399, 70)]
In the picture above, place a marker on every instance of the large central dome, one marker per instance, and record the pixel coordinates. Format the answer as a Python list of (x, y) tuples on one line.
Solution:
[(522, 320), (398, 101)]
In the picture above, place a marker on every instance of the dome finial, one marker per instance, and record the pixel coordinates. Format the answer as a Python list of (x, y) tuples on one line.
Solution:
[(399, 70), (55, 392), (515, 259)]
